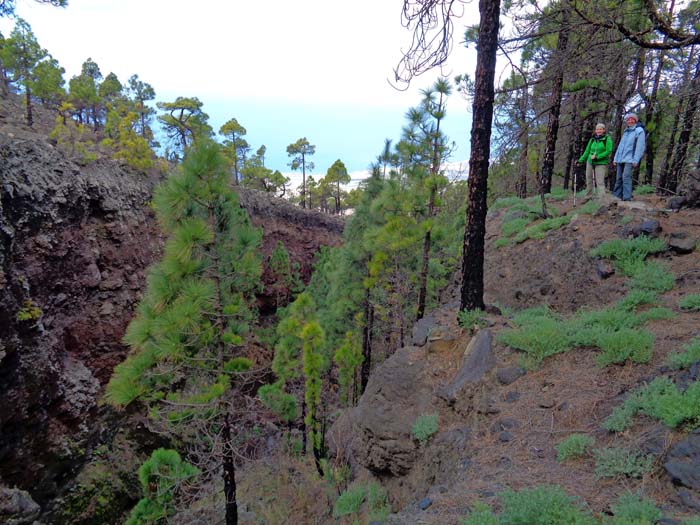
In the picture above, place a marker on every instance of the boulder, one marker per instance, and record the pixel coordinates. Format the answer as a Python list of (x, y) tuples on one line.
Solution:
[(394, 398), (683, 463), (681, 243), (477, 360), (17, 507)]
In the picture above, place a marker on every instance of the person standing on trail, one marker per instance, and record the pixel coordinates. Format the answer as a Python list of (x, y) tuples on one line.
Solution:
[(629, 153), (596, 156)]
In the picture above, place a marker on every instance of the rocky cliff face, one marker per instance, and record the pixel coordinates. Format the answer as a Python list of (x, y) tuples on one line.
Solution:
[(75, 243)]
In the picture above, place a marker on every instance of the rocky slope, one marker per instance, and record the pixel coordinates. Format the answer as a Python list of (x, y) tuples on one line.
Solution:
[(499, 423), (75, 243)]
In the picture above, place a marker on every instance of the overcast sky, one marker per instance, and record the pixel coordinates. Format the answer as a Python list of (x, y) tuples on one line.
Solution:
[(314, 68)]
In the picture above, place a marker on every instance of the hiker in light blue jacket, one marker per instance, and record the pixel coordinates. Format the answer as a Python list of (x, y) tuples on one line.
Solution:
[(629, 153)]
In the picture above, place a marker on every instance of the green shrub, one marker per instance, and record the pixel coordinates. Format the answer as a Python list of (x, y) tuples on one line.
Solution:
[(545, 505), (632, 509), (470, 318), (538, 230), (350, 501), (628, 255), (624, 344), (499, 243), (28, 312), (589, 208), (481, 515), (541, 333), (377, 502), (680, 360), (573, 446), (425, 426), (616, 462), (653, 276), (510, 228), (661, 400), (644, 189), (691, 521), (690, 302)]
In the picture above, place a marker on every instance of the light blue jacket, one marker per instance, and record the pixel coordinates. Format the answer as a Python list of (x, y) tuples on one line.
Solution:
[(632, 146)]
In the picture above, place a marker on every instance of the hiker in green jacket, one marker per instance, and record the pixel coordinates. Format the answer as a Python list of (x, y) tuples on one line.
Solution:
[(596, 157)]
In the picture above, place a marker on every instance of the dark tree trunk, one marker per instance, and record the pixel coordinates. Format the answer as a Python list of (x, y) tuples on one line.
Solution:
[(684, 136), (426, 258), (366, 343), (555, 102), (524, 139), (576, 130), (229, 467), (28, 99), (472, 293), (653, 119)]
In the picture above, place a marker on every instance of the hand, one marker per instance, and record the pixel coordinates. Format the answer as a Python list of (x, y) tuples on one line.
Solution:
[(593, 157), (635, 164), (614, 163)]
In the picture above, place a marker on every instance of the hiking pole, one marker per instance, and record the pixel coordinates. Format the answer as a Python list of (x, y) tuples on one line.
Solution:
[(574, 186)]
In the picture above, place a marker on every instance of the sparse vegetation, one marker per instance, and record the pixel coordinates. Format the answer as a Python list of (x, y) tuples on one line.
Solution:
[(661, 400), (687, 358), (544, 505), (653, 276), (541, 333), (471, 318), (351, 502), (28, 312), (628, 255), (425, 426), (631, 508), (690, 303), (644, 189), (616, 462), (574, 446)]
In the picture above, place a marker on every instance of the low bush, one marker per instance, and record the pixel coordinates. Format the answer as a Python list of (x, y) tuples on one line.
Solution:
[(628, 255), (632, 509), (574, 446), (617, 462), (541, 333), (425, 426), (690, 303), (470, 318), (661, 400), (687, 358), (350, 501), (653, 276)]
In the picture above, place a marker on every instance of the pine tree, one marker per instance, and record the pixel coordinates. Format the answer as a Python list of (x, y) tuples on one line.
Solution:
[(188, 336)]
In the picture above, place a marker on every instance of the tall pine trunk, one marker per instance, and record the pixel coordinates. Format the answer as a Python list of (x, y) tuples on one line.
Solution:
[(366, 342), (472, 292), (524, 139), (555, 102), (684, 136)]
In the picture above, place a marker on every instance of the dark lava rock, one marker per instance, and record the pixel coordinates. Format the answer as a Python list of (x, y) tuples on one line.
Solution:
[(509, 375), (604, 269), (425, 503), (512, 396), (17, 507), (681, 243), (478, 359), (422, 329), (649, 227), (690, 499), (683, 463), (505, 437), (506, 423)]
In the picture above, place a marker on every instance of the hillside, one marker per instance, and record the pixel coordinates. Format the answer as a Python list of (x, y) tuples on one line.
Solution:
[(499, 422)]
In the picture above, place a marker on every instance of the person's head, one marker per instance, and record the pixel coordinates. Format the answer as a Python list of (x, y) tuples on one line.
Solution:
[(600, 129), (631, 119)]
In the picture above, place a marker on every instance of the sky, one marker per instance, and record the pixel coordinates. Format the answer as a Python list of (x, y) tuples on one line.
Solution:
[(320, 69)]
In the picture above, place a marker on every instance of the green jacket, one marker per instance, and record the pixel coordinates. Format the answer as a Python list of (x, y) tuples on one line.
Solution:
[(601, 147)]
